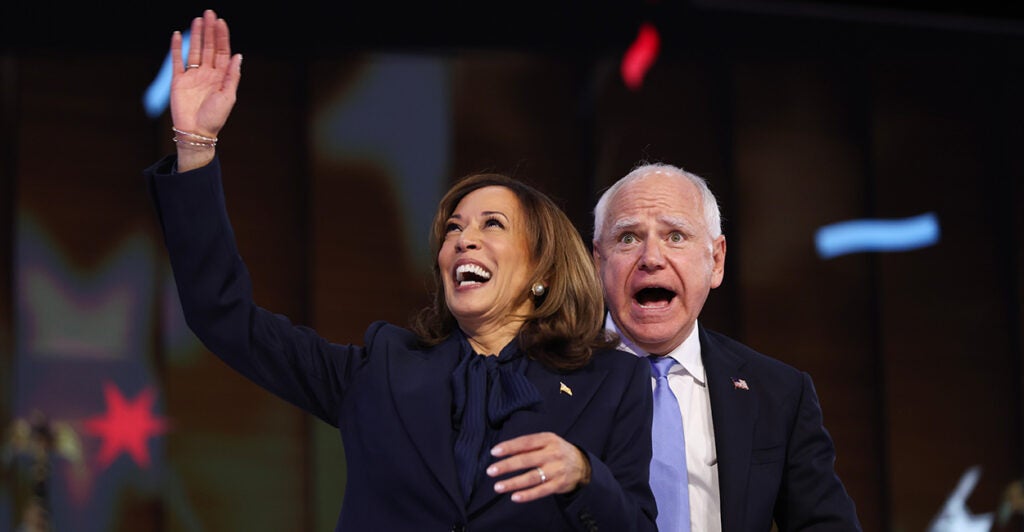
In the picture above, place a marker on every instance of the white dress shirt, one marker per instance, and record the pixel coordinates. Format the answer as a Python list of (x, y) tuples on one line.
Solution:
[(688, 382)]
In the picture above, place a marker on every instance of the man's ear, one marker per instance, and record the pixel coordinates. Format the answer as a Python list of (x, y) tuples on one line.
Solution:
[(596, 253), (718, 256)]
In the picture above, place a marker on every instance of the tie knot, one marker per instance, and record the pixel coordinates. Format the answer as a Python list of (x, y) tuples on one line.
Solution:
[(661, 365)]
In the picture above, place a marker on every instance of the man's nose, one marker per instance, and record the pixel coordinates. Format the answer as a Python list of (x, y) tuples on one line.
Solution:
[(652, 257)]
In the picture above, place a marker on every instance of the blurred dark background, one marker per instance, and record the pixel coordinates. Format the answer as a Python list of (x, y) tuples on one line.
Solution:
[(352, 118)]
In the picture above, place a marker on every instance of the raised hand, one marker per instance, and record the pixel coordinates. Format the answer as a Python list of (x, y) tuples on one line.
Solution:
[(203, 88), (549, 464)]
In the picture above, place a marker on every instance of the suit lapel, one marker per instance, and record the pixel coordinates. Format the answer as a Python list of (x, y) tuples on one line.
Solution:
[(733, 412), (560, 407), (421, 387)]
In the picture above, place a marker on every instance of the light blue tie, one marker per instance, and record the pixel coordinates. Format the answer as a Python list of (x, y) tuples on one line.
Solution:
[(668, 466)]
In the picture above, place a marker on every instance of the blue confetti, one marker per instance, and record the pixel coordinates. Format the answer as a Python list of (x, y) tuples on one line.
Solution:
[(856, 236), (158, 94)]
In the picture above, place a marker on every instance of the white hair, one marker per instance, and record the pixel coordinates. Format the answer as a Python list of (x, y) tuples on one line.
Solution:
[(712, 214)]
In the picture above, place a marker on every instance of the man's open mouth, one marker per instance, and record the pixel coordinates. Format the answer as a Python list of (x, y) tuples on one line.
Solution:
[(654, 297)]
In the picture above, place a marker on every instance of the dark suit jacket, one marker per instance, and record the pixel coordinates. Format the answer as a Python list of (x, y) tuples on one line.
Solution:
[(391, 399), (775, 458)]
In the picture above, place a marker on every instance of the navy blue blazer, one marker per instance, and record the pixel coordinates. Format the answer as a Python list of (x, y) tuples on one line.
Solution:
[(775, 458), (391, 399)]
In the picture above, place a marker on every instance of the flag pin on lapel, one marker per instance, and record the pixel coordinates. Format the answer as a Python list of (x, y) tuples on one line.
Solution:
[(562, 388), (739, 384)]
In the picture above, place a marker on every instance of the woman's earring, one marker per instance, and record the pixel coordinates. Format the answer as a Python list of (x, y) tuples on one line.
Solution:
[(537, 290)]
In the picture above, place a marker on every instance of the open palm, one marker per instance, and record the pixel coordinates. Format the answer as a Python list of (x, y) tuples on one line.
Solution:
[(203, 86)]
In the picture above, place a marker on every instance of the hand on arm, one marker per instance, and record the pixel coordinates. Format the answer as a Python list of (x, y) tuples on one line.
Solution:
[(564, 466), (202, 96)]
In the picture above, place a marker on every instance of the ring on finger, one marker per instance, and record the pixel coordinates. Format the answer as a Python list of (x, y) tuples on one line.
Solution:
[(543, 477), (191, 66)]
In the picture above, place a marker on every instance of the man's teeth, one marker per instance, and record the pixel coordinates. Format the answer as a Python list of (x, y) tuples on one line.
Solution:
[(471, 273)]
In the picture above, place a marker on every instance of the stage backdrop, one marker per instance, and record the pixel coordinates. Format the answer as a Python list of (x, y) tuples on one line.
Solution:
[(336, 155)]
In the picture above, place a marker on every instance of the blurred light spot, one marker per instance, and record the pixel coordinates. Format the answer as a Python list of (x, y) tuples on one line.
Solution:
[(640, 56), (376, 119), (877, 235), (65, 312)]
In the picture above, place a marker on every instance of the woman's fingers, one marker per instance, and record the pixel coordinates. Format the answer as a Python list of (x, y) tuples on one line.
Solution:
[(176, 64), (209, 38), (222, 45), (195, 42), (547, 462), (204, 85), (209, 43), (232, 76), (535, 483)]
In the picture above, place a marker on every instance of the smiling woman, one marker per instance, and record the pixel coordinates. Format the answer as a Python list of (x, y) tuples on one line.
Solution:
[(487, 267), (544, 290), (506, 396)]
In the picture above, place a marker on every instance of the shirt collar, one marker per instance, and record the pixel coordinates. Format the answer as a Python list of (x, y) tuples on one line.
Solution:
[(687, 354)]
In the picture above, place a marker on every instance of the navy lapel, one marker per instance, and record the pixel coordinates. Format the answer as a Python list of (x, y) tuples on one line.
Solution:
[(421, 387), (733, 411), (560, 407)]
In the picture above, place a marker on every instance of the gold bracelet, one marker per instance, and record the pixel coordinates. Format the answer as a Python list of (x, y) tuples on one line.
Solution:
[(193, 135), (196, 144)]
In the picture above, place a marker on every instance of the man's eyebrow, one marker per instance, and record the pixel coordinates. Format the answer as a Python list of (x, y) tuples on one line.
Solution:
[(623, 223), (675, 221)]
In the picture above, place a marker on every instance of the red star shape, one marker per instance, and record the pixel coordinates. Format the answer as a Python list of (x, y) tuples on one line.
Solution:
[(126, 425)]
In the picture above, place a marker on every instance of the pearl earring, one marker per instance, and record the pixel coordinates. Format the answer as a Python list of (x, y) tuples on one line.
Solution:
[(537, 290)]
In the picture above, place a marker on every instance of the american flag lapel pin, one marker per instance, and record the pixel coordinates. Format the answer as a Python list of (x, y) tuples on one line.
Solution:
[(562, 388), (739, 384)]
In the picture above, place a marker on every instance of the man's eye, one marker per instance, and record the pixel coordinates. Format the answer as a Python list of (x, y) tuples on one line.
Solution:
[(628, 238), (676, 237)]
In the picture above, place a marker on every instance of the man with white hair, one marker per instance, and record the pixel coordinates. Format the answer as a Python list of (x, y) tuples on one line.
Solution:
[(738, 437)]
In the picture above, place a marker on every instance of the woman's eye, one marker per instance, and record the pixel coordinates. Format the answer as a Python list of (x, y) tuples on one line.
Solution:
[(493, 222), (451, 227)]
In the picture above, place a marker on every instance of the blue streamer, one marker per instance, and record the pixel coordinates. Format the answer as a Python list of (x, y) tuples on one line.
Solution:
[(855, 236), (158, 94)]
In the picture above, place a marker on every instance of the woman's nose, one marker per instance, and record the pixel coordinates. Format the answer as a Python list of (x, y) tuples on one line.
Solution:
[(467, 240)]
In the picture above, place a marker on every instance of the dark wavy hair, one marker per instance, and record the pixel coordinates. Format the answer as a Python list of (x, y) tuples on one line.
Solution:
[(567, 322)]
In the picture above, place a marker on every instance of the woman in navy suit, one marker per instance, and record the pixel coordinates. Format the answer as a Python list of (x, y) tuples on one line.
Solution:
[(502, 409)]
